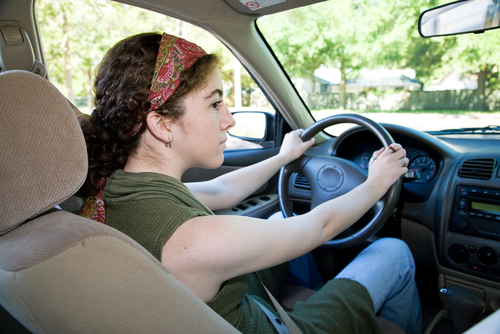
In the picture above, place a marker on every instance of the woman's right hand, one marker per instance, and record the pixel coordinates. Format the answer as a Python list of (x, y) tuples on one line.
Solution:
[(293, 146), (387, 166)]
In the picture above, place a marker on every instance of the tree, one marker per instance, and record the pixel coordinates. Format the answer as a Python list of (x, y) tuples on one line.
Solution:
[(396, 43), (326, 34), (477, 55), (348, 35), (52, 16), (355, 34), (437, 56), (91, 27)]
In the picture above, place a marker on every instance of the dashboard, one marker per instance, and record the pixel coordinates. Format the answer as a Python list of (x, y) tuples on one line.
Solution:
[(450, 216), (358, 145)]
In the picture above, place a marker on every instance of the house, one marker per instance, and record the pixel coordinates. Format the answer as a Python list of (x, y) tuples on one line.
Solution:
[(454, 80), (328, 80)]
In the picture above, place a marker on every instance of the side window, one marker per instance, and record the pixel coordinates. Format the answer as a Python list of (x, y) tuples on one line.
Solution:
[(76, 34)]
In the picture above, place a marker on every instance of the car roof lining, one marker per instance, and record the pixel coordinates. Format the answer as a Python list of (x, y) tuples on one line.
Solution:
[(220, 10)]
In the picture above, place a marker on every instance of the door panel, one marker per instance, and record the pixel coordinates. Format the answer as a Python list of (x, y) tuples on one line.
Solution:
[(263, 202)]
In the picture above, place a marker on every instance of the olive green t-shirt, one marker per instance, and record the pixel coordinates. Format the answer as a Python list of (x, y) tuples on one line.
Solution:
[(149, 207)]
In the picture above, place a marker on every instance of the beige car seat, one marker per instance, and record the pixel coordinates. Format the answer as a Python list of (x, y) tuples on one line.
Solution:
[(61, 273)]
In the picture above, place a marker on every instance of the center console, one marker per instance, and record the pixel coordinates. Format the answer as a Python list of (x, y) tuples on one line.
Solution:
[(473, 247)]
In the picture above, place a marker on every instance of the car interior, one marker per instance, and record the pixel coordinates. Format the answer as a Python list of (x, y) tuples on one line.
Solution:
[(62, 273)]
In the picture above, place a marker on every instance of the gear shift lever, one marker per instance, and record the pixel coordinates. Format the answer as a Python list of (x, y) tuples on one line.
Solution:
[(465, 307)]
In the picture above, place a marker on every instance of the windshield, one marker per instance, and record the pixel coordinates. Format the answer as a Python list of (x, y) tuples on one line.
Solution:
[(367, 57)]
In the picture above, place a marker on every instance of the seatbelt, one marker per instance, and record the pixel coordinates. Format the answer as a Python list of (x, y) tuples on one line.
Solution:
[(277, 323), (289, 325)]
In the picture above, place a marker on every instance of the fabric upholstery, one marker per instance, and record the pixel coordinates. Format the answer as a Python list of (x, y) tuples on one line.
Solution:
[(59, 272), (95, 281), (50, 235), (44, 160)]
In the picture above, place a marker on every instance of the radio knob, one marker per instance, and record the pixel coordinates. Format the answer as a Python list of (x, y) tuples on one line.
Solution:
[(487, 256), (462, 203), (458, 254), (460, 223)]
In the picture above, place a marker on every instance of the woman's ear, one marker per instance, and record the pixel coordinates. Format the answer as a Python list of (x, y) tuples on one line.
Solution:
[(159, 126)]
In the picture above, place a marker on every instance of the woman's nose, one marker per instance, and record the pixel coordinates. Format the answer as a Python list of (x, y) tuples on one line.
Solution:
[(228, 121)]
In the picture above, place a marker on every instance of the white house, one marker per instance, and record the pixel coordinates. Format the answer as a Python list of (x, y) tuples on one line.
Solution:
[(328, 80)]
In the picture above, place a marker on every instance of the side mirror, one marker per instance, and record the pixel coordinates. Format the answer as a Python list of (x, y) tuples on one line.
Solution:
[(461, 17), (255, 127)]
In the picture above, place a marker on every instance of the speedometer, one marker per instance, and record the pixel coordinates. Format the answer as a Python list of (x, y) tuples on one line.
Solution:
[(365, 159), (425, 166)]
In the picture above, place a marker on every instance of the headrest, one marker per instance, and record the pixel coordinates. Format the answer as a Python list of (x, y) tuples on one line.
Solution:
[(43, 152)]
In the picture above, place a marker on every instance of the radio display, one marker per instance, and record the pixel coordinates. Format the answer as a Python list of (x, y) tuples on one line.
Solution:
[(480, 206)]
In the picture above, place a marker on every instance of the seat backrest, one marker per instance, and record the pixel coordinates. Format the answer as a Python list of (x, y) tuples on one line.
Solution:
[(61, 273)]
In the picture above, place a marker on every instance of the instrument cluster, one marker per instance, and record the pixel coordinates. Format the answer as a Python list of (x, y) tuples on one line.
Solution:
[(419, 161)]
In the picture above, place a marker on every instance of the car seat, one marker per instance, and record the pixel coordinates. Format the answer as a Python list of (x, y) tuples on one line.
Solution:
[(16, 53), (59, 272)]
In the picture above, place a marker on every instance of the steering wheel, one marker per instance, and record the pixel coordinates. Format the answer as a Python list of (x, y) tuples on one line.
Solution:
[(331, 177)]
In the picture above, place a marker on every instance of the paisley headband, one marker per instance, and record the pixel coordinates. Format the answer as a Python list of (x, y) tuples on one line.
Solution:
[(175, 55)]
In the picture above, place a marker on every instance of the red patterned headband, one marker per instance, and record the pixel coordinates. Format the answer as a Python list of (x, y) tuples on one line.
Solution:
[(175, 55)]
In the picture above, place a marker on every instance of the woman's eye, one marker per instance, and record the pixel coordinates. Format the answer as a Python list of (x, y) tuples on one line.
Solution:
[(215, 105)]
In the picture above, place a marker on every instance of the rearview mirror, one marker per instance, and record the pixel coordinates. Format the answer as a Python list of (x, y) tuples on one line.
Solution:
[(461, 17)]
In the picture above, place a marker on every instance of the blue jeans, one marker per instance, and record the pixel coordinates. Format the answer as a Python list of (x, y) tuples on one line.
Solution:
[(302, 271), (387, 270)]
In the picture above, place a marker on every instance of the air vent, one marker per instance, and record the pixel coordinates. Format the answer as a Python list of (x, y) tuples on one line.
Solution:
[(477, 169), (301, 182)]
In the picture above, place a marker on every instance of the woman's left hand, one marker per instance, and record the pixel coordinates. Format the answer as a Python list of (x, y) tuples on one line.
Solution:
[(293, 146)]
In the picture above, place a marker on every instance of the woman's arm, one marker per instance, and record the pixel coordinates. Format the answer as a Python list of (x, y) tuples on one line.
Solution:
[(206, 251), (230, 189)]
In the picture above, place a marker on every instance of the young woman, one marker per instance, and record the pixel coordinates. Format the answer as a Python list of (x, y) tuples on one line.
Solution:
[(159, 111)]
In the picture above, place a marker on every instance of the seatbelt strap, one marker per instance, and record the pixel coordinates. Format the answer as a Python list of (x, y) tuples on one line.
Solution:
[(277, 323), (288, 322)]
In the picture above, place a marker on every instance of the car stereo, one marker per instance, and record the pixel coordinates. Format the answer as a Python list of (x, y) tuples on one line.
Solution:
[(477, 212)]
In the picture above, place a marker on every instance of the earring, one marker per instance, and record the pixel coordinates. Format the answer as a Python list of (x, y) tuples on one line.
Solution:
[(169, 144)]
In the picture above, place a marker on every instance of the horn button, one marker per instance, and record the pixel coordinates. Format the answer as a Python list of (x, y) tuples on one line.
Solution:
[(331, 178)]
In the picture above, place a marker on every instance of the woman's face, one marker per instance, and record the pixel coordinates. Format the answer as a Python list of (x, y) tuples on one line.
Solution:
[(205, 122)]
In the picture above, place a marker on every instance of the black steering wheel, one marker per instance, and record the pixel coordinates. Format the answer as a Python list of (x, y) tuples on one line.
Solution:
[(330, 177)]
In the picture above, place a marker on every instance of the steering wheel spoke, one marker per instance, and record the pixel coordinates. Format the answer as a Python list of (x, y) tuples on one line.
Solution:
[(331, 177)]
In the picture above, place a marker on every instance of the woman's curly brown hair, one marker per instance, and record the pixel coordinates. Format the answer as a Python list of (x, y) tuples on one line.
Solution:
[(121, 88)]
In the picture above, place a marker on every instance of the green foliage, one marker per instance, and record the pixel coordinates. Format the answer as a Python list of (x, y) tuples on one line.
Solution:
[(374, 34), (479, 52), (346, 34), (86, 29), (355, 34), (324, 34)]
